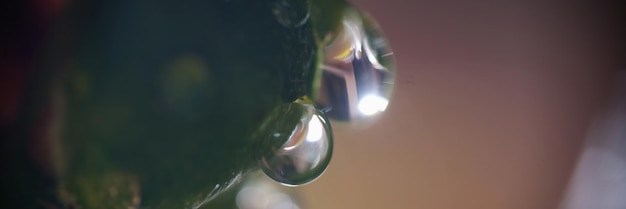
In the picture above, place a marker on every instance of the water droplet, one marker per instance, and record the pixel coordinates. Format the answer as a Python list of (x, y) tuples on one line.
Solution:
[(358, 72), (305, 149), (291, 13)]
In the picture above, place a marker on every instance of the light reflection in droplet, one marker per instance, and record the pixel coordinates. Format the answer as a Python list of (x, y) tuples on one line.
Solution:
[(316, 130), (372, 104), (306, 153), (358, 70)]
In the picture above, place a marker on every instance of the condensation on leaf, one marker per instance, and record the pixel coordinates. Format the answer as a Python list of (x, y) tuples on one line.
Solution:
[(306, 149)]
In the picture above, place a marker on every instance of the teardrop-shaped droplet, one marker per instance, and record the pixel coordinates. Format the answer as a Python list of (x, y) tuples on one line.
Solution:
[(306, 149), (291, 13), (358, 71)]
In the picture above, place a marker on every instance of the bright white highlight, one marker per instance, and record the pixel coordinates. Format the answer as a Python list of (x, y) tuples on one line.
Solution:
[(372, 104), (316, 130)]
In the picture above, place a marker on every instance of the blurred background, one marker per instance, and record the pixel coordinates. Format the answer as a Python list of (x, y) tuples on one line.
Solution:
[(498, 104), (495, 103)]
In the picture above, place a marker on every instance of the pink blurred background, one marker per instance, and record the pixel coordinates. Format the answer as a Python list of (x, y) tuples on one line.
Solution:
[(493, 106)]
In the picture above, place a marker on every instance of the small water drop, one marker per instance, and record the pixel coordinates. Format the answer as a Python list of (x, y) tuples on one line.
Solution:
[(307, 147), (291, 13), (358, 71)]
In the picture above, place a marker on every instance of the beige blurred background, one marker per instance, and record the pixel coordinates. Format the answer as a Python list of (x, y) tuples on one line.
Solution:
[(493, 104)]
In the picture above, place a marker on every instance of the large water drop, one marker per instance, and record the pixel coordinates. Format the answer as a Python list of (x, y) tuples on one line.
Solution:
[(358, 70), (306, 150)]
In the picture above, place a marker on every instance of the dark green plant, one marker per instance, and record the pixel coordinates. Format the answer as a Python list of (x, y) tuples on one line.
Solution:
[(165, 104)]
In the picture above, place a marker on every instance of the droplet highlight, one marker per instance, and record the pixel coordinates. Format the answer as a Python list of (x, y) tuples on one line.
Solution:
[(358, 71), (291, 13), (306, 149)]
